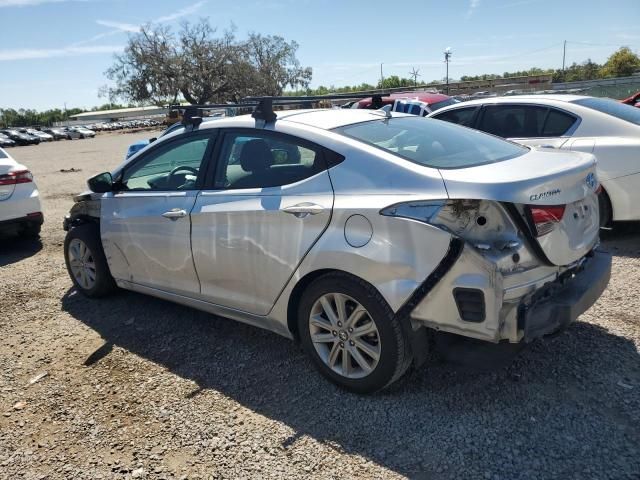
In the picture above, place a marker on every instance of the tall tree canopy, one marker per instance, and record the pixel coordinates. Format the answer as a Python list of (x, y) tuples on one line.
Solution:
[(158, 66)]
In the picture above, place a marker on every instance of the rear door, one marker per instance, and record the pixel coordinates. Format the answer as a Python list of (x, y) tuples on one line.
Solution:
[(270, 198)]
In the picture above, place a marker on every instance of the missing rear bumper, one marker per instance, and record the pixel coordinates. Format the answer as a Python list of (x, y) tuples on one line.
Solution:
[(555, 306)]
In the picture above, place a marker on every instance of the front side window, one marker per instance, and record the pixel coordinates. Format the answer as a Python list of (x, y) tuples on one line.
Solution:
[(433, 143), (175, 167), (459, 116), (257, 160)]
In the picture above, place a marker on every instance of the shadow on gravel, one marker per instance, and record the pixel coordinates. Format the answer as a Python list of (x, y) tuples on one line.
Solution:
[(623, 240), (14, 248), (564, 408)]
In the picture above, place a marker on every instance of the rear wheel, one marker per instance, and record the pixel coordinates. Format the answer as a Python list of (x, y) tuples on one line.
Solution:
[(352, 334), (86, 263)]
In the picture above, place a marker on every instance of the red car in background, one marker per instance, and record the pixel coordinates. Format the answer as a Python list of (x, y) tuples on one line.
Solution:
[(416, 103), (633, 100)]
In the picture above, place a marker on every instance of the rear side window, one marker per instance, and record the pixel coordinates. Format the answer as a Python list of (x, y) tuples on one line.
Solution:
[(432, 143), (459, 116), (3, 154), (513, 121), (611, 107), (557, 123), (256, 160)]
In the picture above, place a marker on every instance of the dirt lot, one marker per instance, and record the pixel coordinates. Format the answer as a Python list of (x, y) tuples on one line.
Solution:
[(140, 388)]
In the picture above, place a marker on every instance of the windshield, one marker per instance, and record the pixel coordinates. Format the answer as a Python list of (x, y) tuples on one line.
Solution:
[(611, 107), (433, 143)]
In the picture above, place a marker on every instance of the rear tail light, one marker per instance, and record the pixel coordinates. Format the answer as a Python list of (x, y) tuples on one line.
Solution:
[(546, 217), (13, 178)]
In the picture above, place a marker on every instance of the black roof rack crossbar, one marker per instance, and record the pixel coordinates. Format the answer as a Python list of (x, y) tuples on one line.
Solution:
[(263, 106)]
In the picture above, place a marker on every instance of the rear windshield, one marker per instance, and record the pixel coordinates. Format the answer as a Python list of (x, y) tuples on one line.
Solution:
[(433, 143), (611, 107)]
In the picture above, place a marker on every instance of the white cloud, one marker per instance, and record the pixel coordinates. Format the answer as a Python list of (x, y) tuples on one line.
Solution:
[(71, 51), (28, 3), (473, 5), (122, 27), (183, 12)]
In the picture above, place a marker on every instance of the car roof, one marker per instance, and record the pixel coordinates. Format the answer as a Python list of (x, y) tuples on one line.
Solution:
[(524, 99)]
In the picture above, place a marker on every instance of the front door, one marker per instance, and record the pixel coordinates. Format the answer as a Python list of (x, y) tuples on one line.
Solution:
[(272, 199), (146, 226)]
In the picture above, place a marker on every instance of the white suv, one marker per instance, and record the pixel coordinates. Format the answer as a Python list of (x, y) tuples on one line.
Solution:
[(20, 208)]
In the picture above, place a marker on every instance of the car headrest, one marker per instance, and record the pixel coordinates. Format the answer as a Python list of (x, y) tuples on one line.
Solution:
[(255, 156)]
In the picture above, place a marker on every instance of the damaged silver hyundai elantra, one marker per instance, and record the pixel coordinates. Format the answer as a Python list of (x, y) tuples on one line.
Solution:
[(358, 233)]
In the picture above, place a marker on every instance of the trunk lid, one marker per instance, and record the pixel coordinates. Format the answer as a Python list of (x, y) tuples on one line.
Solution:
[(532, 183)]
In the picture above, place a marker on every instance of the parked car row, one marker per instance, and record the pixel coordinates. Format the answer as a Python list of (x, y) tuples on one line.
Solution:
[(99, 127), (10, 137)]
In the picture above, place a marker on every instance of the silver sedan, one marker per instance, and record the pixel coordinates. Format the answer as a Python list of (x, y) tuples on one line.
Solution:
[(360, 234)]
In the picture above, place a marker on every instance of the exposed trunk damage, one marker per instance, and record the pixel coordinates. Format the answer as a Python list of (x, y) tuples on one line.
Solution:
[(495, 278)]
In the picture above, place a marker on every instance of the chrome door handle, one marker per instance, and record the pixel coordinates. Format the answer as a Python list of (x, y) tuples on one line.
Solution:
[(175, 213), (301, 210)]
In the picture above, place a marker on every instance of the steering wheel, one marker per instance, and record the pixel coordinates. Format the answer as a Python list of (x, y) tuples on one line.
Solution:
[(185, 168), (180, 168)]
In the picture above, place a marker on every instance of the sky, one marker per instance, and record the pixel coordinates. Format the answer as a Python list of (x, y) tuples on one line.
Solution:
[(55, 52)]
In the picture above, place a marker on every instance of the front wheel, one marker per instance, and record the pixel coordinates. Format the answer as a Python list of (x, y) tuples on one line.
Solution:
[(86, 263), (351, 333)]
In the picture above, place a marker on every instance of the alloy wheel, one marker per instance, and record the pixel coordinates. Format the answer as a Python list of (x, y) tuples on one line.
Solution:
[(344, 335), (82, 264)]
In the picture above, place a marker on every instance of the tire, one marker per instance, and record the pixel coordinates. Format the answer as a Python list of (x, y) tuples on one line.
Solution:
[(32, 230), (390, 341), (605, 209), (88, 235)]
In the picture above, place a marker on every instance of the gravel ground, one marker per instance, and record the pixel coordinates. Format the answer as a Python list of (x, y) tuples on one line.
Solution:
[(136, 387)]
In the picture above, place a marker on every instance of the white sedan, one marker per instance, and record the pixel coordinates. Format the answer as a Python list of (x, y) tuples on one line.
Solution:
[(608, 129), (20, 208)]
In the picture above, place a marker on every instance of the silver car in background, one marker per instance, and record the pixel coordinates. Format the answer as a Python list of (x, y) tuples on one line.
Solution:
[(359, 233)]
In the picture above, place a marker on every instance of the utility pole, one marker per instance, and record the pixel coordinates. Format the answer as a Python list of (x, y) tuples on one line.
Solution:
[(564, 55), (415, 74), (381, 77), (447, 56)]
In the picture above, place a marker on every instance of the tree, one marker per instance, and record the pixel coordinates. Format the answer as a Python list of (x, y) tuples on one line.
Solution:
[(275, 65), (621, 63), (200, 66)]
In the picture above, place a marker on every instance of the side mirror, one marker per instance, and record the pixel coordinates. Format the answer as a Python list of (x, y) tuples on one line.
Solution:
[(101, 183), (152, 139)]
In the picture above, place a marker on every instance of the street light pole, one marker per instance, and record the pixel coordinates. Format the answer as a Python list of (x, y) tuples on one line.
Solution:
[(447, 56)]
